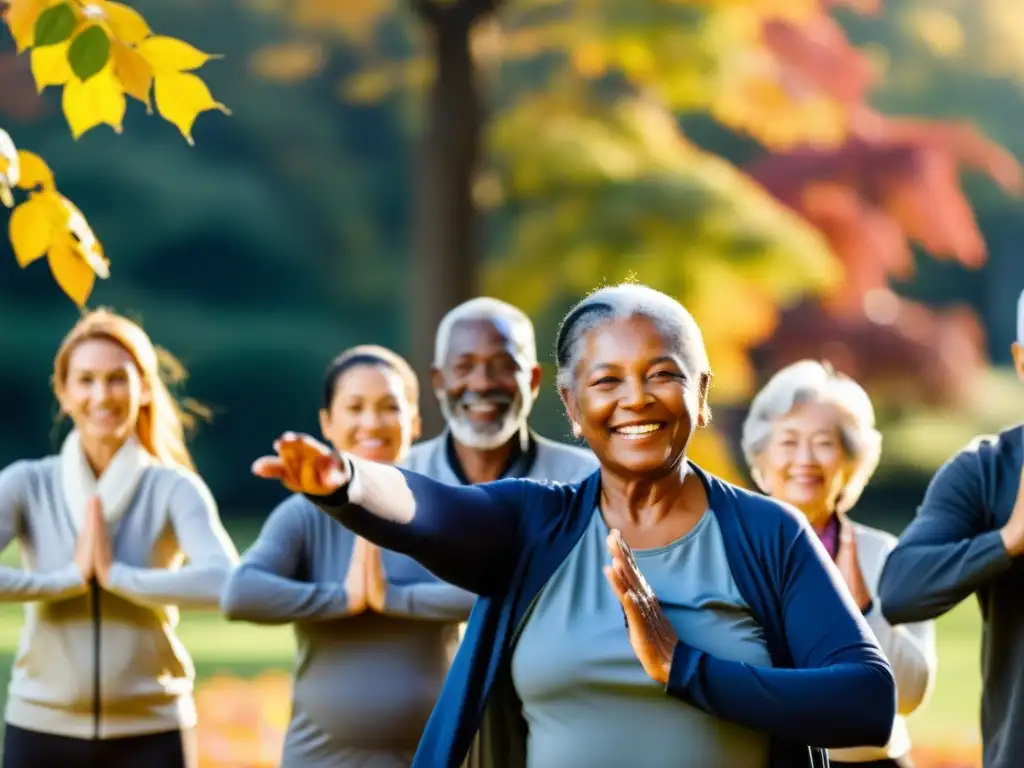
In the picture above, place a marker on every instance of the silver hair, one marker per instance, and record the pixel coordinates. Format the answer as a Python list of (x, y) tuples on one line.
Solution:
[(624, 301), (500, 313), (809, 381)]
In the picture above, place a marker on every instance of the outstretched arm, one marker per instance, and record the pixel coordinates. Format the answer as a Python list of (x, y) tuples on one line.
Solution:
[(466, 535), (950, 550), (205, 544), (264, 588)]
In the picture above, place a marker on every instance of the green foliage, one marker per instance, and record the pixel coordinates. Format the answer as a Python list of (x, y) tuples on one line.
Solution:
[(55, 25), (89, 52)]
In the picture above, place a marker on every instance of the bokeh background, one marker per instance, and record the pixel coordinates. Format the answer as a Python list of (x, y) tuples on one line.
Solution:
[(811, 177)]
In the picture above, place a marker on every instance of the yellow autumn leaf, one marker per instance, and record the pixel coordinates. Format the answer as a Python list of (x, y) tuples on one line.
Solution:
[(70, 270), (168, 54), (99, 100), (180, 98), (88, 246), (126, 23), (21, 18), (50, 65), (31, 230), (134, 72), (34, 171)]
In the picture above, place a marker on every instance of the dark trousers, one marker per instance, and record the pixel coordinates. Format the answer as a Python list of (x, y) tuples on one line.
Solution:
[(903, 762), (33, 749)]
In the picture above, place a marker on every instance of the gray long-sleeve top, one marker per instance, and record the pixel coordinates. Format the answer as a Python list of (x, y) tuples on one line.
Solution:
[(145, 675), (365, 684), (953, 549)]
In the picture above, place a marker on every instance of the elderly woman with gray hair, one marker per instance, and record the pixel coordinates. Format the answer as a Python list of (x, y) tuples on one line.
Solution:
[(650, 615), (810, 441)]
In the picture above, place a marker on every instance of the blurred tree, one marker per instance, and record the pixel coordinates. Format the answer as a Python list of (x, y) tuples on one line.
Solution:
[(888, 186), (591, 179)]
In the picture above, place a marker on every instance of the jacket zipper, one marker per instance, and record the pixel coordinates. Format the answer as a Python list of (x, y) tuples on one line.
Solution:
[(94, 588)]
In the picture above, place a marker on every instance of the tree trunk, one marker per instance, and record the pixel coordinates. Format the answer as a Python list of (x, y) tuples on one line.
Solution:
[(447, 234)]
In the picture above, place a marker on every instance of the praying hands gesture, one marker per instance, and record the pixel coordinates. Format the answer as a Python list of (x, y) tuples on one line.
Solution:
[(848, 563), (366, 583), (650, 633), (1013, 531), (93, 552)]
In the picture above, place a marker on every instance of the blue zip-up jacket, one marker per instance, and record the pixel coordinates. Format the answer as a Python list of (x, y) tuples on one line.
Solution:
[(830, 685)]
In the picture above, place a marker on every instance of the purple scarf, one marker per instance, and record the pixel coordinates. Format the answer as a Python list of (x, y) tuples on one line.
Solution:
[(829, 536)]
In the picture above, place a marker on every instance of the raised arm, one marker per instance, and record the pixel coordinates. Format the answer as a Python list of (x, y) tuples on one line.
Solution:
[(465, 535), (840, 691), (264, 588), (951, 548), (205, 544), (18, 585)]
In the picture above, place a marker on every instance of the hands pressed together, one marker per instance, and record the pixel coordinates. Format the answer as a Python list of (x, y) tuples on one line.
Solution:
[(1013, 531), (366, 582), (93, 552)]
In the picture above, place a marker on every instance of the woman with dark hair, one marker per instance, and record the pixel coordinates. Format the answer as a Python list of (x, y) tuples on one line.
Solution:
[(374, 629), (740, 648)]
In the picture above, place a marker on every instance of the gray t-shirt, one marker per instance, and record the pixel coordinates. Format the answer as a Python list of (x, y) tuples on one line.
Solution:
[(364, 684), (587, 700)]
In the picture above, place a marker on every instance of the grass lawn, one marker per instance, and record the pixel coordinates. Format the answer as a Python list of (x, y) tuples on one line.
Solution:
[(949, 718)]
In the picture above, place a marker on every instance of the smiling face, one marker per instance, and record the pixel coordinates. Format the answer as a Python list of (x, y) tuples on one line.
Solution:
[(635, 402), (102, 391), (370, 415), (805, 462), (486, 387)]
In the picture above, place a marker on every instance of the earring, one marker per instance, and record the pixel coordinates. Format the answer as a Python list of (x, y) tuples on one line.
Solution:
[(576, 431)]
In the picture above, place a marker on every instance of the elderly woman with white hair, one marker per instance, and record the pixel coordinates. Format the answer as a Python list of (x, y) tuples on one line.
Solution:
[(810, 441)]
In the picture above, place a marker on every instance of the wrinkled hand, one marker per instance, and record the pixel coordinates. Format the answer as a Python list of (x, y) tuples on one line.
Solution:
[(376, 578), (848, 563), (650, 633), (303, 465), (1013, 531), (355, 579), (102, 553)]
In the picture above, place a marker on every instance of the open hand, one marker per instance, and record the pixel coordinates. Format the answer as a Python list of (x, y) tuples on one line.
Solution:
[(303, 465), (650, 633), (376, 578)]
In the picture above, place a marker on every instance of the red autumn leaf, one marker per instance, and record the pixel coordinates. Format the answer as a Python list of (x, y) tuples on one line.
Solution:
[(902, 352)]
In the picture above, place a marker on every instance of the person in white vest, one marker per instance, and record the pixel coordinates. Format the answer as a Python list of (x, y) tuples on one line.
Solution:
[(105, 528), (486, 378)]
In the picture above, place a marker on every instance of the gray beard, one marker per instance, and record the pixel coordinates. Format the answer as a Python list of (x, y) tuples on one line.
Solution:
[(470, 436)]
